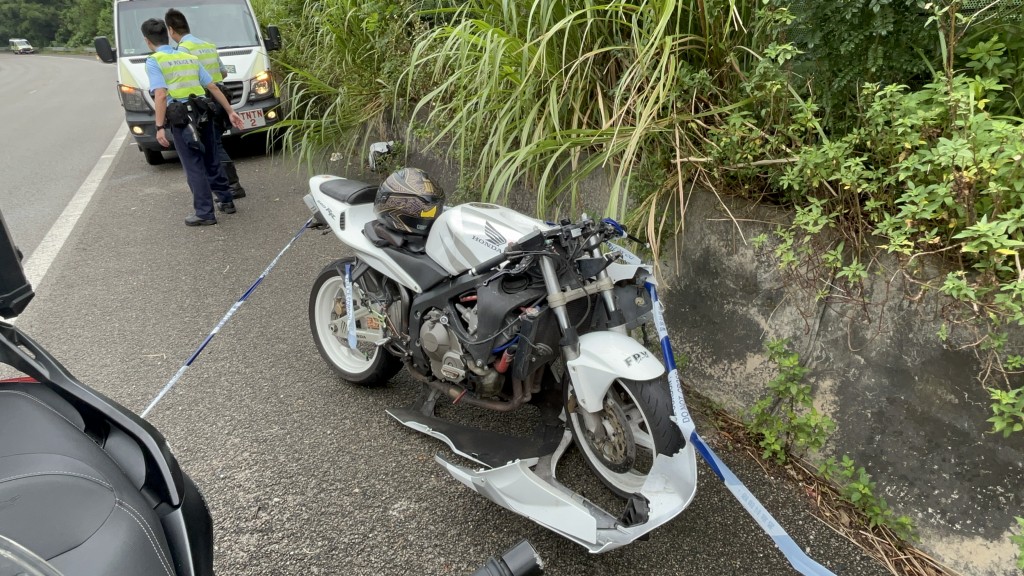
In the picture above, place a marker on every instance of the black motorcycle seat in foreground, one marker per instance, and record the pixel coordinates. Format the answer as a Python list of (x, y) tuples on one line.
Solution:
[(349, 191), (65, 498)]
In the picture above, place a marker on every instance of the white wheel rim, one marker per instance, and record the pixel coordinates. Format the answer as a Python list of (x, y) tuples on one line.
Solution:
[(632, 481), (335, 342)]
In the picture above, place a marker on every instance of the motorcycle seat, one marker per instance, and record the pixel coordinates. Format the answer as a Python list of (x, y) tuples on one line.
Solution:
[(349, 191), (75, 503)]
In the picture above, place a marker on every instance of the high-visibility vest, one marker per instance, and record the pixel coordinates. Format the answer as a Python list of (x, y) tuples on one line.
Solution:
[(181, 73), (207, 54)]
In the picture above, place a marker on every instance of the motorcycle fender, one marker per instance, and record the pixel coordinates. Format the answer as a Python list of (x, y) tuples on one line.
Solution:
[(605, 356)]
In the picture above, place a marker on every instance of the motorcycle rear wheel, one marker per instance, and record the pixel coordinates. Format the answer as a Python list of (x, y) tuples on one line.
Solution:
[(367, 364), (621, 442)]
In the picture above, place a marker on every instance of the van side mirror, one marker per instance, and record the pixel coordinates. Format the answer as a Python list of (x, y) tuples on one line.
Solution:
[(273, 39), (103, 49), (15, 289)]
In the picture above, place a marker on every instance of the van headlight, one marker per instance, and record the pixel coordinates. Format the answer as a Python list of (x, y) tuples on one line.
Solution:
[(262, 86), (132, 99)]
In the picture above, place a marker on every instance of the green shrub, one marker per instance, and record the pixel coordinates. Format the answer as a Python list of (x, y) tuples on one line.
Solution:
[(1018, 539), (845, 44), (786, 420), (857, 488)]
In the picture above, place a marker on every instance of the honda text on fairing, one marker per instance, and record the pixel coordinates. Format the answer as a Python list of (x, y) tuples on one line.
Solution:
[(490, 308)]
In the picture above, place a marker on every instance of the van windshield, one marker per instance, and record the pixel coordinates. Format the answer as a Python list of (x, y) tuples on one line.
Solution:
[(226, 23)]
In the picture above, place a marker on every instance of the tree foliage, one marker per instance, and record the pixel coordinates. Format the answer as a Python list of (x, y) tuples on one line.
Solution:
[(35, 20), (59, 22), (83, 20), (845, 44)]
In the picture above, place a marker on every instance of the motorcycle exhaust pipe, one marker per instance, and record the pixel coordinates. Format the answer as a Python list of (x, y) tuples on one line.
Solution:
[(458, 394), (521, 560)]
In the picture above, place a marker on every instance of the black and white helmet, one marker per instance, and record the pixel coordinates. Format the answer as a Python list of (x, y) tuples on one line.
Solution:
[(409, 202)]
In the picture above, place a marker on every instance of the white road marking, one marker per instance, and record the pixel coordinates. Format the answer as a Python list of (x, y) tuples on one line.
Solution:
[(39, 263)]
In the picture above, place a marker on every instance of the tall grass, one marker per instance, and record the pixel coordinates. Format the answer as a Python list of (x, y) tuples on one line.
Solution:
[(550, 91), (342, 59)]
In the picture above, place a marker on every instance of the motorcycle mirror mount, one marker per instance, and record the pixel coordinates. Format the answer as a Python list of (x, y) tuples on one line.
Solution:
[(379, 150)]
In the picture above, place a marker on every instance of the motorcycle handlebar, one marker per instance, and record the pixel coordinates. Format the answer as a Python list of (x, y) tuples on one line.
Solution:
[(489, 264), (521, 560)]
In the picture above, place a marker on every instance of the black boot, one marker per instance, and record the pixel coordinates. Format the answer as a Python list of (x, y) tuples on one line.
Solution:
[(236, 188)]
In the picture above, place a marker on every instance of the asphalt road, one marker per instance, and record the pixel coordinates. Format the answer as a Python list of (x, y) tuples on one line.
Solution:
[(58, 116), (306, 474)]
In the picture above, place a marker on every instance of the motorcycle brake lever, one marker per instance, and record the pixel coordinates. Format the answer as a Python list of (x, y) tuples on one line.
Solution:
[(501, 272)]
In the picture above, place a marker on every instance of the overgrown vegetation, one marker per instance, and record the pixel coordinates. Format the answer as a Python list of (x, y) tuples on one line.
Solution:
[(551, 91), (857, 487), (343, 59), (785, 419), (785, 423), (932, 170)]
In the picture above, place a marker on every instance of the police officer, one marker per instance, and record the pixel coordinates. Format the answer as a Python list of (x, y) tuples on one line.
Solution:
[(177, 81), (178, 30)]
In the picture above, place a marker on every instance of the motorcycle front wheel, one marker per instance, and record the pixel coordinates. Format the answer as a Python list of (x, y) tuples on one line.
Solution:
[(621, 441), (368, 364)]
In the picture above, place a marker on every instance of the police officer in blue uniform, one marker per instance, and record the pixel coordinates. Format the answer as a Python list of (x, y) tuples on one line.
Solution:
[(179, 31), (178, 83)]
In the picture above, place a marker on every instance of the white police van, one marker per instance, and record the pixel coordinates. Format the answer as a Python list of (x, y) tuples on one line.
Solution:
[(243, 48)]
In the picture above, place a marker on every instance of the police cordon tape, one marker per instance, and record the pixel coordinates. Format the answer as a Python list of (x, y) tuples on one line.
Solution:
[(789, 548), (231, 312)]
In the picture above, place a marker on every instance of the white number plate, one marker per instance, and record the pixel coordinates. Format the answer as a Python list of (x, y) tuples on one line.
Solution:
[(252, 118)]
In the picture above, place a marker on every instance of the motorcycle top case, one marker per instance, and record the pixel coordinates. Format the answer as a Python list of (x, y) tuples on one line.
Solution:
[(469, 234)]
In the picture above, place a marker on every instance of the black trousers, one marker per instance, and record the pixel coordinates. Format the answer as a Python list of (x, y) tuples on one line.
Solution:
[(203, 169)]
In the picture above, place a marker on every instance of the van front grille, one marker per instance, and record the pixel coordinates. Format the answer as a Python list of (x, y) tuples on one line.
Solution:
[(233, 90)]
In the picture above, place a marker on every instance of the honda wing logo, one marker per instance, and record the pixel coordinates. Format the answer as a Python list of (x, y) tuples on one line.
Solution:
[(493, 235), (495, 240)]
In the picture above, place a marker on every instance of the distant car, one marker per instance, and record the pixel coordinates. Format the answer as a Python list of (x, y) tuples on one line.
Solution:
[(20, 46)]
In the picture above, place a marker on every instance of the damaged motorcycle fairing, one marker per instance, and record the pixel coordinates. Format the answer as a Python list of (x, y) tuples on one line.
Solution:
[(529, 488), (520, 475)]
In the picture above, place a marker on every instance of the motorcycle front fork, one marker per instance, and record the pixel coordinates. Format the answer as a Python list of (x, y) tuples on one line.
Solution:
[(570, 351), (606, 294)]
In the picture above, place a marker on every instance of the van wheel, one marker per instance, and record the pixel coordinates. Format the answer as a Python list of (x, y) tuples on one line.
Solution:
[(153, 157)]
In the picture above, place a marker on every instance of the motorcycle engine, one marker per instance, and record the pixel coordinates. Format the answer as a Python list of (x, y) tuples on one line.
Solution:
[(442, 347), (448, 360)]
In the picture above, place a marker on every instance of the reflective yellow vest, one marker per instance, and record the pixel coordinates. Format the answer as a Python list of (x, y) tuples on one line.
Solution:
[(181, 73), (207, 54)]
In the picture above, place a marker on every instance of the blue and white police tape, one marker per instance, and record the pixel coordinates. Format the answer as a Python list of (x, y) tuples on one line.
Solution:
[(231, 312), (796, 557), (352, 340)]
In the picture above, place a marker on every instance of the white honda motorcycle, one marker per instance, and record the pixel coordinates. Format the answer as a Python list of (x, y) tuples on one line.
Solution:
[(494, 309)]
